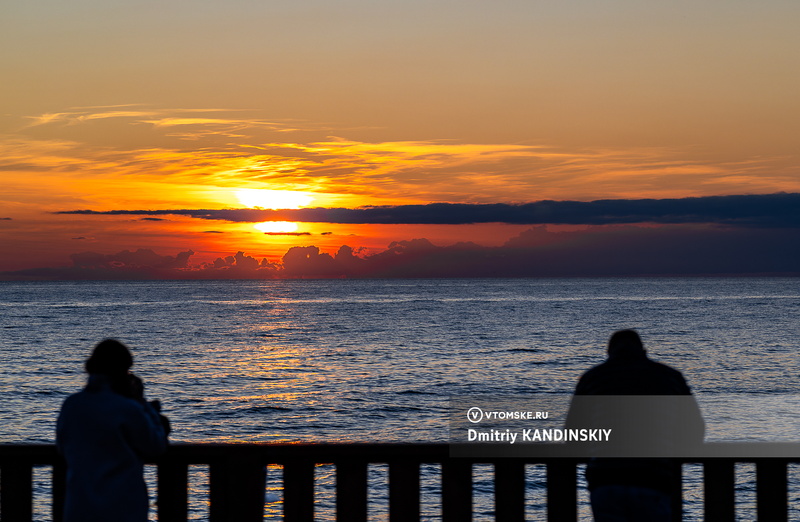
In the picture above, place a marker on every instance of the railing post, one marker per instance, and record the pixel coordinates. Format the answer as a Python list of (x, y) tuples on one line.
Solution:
[(16, 492), (351, 491), (676, 498), (173, 494), (456, 491), (771, 490), (509, 491), (404, 492), (718, 486), (298, 491), (59, 489), (238, 485), (562, 491)]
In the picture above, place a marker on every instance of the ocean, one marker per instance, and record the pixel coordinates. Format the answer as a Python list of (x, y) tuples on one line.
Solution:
[(380, 360)]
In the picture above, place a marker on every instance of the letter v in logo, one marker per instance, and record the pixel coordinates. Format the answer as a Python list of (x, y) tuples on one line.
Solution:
[(475, 415)]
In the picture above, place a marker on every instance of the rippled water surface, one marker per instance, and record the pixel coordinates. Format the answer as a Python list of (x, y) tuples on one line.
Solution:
[(379, 360)]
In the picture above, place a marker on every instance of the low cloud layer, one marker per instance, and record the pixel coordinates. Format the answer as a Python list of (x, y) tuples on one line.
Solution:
[(606, 251), (770, 210)]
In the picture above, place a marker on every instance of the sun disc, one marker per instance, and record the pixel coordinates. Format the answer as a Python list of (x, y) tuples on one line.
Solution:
[(277, 227)]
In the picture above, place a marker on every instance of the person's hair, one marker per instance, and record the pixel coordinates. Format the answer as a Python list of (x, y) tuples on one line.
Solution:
[(625, 343), (109, 357)]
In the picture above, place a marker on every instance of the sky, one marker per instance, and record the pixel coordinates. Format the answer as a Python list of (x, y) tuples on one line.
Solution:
[(254, 138)]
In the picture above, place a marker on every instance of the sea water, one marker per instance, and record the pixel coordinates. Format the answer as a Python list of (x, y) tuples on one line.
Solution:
[(379, 360)]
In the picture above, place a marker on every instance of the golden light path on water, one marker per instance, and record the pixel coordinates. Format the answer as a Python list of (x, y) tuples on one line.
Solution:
[(379, 361)]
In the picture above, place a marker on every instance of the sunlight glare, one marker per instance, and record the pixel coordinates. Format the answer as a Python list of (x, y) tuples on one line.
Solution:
[(277, 227), (273, 199)]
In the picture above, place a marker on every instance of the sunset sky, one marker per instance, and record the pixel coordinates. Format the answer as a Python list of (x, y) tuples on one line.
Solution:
[(161, 109)]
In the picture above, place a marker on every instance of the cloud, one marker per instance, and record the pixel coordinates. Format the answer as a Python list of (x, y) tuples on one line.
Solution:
[(145, 264), (75, 117), (239, 149), (599, 251), (309, 262), (770, 210), (142, 258), (618, 251), (195, 122), (239, 265)]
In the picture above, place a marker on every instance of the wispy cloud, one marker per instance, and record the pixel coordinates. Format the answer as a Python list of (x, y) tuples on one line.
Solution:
[(165, 117), (236, 149), (79, 115)]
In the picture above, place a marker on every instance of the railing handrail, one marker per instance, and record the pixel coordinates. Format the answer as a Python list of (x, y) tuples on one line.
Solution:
[(374, 452)]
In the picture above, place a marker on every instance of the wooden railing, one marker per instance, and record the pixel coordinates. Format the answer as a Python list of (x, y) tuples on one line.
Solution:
[(237, 481)]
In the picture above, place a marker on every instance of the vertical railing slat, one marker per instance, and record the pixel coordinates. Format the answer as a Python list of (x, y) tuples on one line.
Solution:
[(677, 490), (509, 491), (772, 490), (456, 491), (173, 492), (404, 496), (351, 491), (562, 491), (298, 491), (59, 490), (238, 486), (16, 492), (718, 486)]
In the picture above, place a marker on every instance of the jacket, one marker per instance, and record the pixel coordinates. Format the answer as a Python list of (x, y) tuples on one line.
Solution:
[(105, 439)]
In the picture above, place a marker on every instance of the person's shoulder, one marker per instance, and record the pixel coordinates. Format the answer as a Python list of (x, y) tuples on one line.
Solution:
[(76, 398), (673, 376), (597, 368), (665, 368), (104, 397), (600, 370), (590, 376)]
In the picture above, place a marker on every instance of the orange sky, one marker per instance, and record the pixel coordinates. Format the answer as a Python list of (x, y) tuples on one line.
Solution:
[(153, 106)]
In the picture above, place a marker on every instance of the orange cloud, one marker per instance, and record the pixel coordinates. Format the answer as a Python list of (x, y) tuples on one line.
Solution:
[(211, 155)]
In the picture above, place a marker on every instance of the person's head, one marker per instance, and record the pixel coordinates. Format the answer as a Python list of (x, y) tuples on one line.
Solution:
[(625, 343), (109, 357)]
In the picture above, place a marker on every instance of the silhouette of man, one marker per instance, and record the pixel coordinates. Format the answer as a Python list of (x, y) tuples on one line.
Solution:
[(652, 414), (105, 433)]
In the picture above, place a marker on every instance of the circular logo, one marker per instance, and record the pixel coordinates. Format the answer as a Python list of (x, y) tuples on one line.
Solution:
[(475, 415)]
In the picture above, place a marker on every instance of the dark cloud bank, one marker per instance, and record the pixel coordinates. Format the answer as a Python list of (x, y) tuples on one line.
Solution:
[(720, 235), (671, 250), (769, 210)]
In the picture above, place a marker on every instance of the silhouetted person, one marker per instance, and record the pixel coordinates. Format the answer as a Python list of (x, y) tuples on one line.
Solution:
[(105, 433), (652, 414)]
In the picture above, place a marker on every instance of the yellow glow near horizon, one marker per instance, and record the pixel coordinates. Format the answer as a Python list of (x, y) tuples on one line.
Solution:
[(277, 227), (273, 199)]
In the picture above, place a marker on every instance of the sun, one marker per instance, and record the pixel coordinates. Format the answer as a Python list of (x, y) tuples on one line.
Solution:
[(277, 227), (273, 199)]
